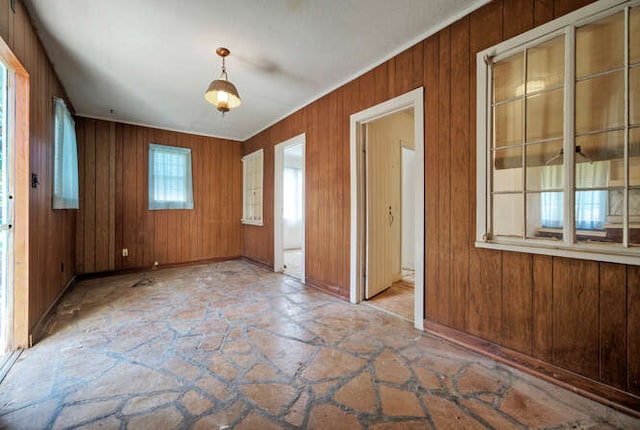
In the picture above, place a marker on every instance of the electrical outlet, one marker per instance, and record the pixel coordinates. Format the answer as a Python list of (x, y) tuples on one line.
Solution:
[(125, 252), (155, 263)]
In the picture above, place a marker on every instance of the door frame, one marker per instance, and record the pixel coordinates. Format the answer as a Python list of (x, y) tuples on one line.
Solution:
[(413, 99), (278, 251)]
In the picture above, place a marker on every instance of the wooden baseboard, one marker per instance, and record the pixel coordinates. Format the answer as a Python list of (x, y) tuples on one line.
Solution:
[(39, 328), (258, 262), (621, 400), (85, 276)]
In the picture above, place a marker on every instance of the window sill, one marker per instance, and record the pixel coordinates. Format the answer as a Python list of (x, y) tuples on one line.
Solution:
[(256, 223), (604, 253)]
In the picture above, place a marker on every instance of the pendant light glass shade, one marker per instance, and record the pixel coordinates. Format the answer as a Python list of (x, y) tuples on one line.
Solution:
[(222, 93)]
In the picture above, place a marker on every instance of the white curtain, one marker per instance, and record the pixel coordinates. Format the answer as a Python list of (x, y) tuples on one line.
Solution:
[(591, 205), (170, 180), (65, 179)]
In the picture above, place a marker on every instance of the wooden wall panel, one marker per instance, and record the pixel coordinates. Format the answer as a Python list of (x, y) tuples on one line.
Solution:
[(569, 313), (51, 233), (115, 210)]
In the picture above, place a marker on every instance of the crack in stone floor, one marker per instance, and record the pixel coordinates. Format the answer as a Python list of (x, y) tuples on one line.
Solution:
[(232, 345)]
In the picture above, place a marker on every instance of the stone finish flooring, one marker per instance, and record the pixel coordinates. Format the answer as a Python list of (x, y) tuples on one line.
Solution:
[(397, 299), (231, 345)]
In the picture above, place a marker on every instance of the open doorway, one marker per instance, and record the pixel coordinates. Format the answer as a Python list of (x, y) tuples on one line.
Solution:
[(381, 261), (289, 207), (390, 240)]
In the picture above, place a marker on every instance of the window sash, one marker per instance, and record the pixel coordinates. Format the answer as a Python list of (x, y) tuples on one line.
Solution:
[(252, 187), (65, 179), (170, 177), (565, 26)]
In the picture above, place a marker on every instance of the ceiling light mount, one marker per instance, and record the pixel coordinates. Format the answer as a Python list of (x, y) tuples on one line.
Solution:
[(222, 93)]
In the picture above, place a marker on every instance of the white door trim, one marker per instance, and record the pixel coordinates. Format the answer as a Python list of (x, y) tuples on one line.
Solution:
[(278, 254), (413, 99)]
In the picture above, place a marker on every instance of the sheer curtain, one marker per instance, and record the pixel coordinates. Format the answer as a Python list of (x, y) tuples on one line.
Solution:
[(65, 178), (591, 205)]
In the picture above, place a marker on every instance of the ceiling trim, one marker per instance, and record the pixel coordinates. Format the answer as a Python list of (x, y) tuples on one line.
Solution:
[(428, 33), (139, 124)]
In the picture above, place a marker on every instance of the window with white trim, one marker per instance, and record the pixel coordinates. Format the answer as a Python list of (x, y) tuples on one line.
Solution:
[(170, 180), (252, 172), (558, 144), (65, 168)]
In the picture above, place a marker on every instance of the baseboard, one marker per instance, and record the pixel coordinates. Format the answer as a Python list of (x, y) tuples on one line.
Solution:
[(602, 393), (39, 328), (258, 262), (95, 275)]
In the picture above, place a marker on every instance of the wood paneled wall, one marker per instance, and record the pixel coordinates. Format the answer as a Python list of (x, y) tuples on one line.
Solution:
[(51, 233), (581, 316), (113, 159)]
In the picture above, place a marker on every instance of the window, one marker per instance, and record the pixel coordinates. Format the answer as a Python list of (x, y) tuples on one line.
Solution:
[(170, 183), (252, 188), (558, 155), (65, 172)]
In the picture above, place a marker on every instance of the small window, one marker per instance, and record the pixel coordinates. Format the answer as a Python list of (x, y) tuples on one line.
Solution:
[(252, 188), (65, 176), (170, 182), (558, 155)]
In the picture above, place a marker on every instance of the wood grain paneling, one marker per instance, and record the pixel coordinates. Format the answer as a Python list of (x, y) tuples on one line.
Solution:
[(115, 200), (51, 234), (567, 313)]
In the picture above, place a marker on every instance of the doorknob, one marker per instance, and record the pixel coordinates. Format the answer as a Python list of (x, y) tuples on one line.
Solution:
[(390, 216)]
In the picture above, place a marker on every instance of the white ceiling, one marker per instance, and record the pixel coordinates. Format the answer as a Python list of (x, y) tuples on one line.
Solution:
[(149, 62)]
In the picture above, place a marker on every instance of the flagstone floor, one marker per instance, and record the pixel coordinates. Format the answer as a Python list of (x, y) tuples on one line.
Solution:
[(231, 345)]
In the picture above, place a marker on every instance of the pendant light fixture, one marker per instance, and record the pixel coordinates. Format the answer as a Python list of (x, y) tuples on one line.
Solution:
[(222, 93)]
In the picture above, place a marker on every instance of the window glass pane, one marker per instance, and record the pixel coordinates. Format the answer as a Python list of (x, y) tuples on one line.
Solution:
[(508, 214), (592, 175), (591, 209), (600, 103), (508, 78), (634, 95), (545, 115), (545, 65), (634, 216), (600, 147), (634, 35), (634, 154), (545, 213), (544, 166), (600, 46), (508, 123), (507, 180)]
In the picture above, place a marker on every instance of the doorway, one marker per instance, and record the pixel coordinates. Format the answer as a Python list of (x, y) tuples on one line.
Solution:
[(6, 292), (377, 207), (289, 183)]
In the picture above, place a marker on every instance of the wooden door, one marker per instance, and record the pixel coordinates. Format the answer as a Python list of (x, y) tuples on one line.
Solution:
[(383, 193)]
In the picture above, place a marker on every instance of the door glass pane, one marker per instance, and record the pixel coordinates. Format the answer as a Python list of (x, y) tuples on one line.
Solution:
[(508, 215), (634, 95), (634, 35), (545, 65), (600, 103), (508, 123), (508, 78), (545, 212), (600, 46), (545, 115)]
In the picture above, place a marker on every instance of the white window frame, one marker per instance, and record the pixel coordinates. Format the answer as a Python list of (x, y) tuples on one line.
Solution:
[(187, 202), (65, 174), (248, 162), (568, 247)]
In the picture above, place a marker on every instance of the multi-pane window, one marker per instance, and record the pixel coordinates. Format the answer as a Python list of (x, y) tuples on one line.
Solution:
[(170, 181), (252, 167), (559, 136), (65, 173)]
